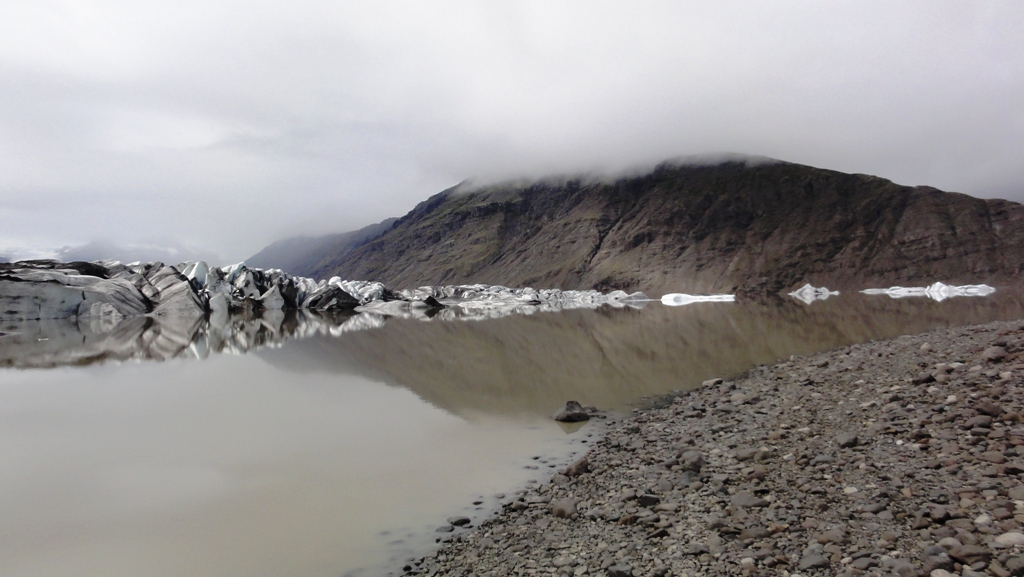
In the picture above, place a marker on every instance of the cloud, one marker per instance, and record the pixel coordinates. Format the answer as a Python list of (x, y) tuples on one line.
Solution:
[(230, 124)]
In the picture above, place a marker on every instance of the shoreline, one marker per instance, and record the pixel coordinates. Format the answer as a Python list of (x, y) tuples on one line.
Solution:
[(887, 457)]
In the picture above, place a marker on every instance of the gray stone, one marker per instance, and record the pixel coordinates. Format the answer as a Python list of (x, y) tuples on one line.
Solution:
[(572, 413), (564, 508), (578, 468), (846, 440), (746, 454), (745, 499), (1012, 539), (988, 408), (755, 533), (939, 561), (691, 460), (968, 554), (648, 500), (864, 563), (994, 354), (813, 561), (1015, 565)]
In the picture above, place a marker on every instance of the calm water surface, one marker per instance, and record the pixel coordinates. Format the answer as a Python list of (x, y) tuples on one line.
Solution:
[(323, 455)]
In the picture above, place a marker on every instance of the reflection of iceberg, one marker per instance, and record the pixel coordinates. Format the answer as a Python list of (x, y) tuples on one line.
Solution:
[(809, 294), (478, 302), (87, 340), (938, 291), (679, 299)]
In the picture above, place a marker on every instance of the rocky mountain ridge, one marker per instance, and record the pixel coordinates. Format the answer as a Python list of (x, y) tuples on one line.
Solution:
[(731, 227), (302, 255)]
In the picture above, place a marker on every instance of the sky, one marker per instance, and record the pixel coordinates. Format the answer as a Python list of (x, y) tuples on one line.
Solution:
[(222, 126)]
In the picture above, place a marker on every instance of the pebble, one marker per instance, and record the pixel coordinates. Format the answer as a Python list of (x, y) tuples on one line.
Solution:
[(847, 440), (1011, 539)]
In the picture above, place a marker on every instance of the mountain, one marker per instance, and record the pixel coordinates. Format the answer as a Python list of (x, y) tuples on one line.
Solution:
[(165, 251), (748, 227), (303, 255)]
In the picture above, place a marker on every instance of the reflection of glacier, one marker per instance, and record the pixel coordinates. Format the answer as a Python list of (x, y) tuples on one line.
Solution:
[(938, 291), (86, 340), (680, 299), (808, 293)]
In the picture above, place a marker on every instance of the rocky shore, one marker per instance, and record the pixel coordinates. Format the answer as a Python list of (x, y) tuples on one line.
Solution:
[(901, 457)]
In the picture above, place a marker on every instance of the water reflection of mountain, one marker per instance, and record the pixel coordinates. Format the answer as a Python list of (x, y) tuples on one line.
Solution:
[(521, 363), (612, 357)]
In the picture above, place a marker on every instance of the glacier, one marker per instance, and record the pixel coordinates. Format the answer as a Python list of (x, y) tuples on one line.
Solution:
[(40, 290)]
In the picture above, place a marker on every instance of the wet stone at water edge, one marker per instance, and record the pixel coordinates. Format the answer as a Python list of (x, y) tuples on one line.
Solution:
[(573, 413)]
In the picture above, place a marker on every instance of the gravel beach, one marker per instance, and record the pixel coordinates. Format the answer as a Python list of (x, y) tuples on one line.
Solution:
[(898, 457)]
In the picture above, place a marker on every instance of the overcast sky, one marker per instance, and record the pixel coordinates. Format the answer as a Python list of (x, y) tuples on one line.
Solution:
[(227, 125)]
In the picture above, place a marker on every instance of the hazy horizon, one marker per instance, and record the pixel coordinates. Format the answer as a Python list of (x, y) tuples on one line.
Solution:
[(222, 127)]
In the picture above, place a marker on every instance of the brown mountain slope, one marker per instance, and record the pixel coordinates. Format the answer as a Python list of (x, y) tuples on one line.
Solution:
[(726, 227)]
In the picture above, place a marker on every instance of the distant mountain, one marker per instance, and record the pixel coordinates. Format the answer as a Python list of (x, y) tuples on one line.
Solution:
[(304, 255), (166, 252), (753, 227)]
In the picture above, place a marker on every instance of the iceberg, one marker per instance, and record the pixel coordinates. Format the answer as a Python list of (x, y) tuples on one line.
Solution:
[(109, 291), (937, 291), (680, 299), (809, 293)]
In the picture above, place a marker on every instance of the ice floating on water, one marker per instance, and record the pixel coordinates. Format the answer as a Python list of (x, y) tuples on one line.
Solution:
[(938, 291), (480, 301), (679, 299), (809, 293)]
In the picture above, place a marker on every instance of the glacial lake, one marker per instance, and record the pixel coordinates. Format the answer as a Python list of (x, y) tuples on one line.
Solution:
[(334, 446)]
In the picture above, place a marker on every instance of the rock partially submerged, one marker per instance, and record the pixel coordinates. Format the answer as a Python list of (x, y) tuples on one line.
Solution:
[(810, 293), (937, 291), (572, 413)]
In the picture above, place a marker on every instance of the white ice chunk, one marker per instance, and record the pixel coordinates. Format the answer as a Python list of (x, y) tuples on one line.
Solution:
[(272, 299), (232, 272), (246, 284), (364, 291), (809, 293), (197, 273), (219, 303), (679, 299), (937, 291)]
